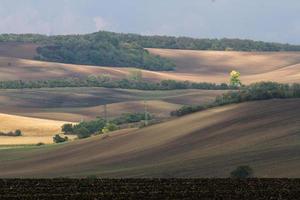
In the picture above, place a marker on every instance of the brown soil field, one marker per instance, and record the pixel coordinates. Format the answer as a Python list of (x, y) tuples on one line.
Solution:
[(263, 135), (75, 104)]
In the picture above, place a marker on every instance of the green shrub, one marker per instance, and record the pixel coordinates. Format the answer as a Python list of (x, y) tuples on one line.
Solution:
[(67, 128), (82, 132), (128, 118), (58, 139), (18, 132), (109, 127)]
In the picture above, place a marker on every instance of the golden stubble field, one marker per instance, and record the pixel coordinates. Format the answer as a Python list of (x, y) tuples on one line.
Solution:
[(34, 130)]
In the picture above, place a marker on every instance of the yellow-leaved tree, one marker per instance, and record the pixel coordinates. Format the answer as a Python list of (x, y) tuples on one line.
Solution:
[(235, 79)]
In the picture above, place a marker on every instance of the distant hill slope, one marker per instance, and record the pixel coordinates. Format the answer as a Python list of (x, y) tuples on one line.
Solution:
[(264, 135), (18, 50), (215, 66)]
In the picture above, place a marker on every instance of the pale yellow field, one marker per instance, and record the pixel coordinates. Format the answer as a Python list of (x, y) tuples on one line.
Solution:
[(34, 130), (25, 140), (214, 66)]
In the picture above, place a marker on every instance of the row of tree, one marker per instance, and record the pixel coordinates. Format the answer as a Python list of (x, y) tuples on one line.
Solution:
[(119, 39), (253, 92), (105, 81)]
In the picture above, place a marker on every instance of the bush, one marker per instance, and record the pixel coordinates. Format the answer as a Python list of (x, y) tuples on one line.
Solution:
[(18, 132), (82, 132), (109, 127), (242, 172), (58, 139), (40, 144), (67, 128), (127, 118), (187, 110)]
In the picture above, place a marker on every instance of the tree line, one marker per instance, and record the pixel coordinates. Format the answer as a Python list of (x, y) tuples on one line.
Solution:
[(105, 81), (253, 92)]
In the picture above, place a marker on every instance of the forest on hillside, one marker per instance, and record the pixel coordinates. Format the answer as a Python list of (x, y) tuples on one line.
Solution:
[(128, 50)]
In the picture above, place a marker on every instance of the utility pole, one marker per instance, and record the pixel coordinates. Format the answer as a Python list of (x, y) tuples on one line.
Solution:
[(105, 113), (146, 113)]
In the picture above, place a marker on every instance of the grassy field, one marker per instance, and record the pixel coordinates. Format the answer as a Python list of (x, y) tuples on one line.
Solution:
[(211, 143), (74, 104), (34, 130)]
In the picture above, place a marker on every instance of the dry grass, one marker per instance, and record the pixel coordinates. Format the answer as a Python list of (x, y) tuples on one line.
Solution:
[(8, 141), (29, 126), (205, 144)]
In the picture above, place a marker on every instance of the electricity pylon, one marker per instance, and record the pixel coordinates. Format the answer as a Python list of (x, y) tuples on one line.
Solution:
[(105, 113), (146, 113)]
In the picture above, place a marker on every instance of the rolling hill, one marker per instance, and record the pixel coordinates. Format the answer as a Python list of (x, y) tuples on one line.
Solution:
[(75, 104), (197, 66), (264, 135)]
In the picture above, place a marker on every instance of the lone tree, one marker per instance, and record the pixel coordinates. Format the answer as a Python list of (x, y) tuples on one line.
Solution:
[(242, 172), (235, 79), (18, 132)]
